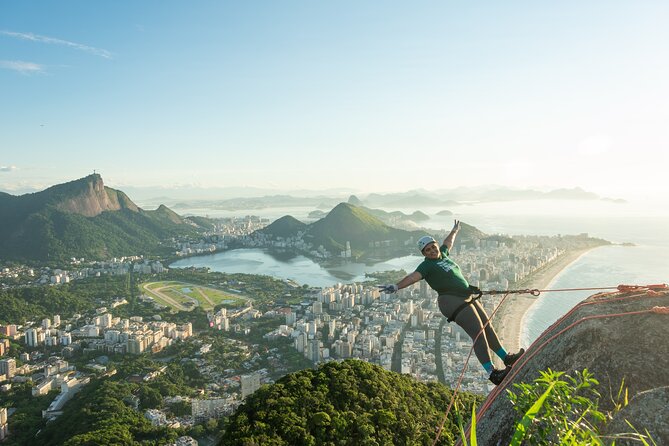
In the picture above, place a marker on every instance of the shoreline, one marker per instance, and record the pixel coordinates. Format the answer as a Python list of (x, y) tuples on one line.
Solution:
[(512, 313)]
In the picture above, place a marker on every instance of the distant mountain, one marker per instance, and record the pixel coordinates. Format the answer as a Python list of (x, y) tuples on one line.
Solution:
[(264, 202), (353, 224), (396, 219), (367, 234), (411, 199), (250, 198), (286, 226), (156, 195), (355, 201), (450, 197), (82, 218), (344, 223)]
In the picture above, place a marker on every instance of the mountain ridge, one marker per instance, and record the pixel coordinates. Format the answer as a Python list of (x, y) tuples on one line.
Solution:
[(367, 233), (344, 223), (82, 218), (415, 198)]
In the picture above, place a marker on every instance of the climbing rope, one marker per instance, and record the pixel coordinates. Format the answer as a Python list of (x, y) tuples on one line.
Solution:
[(536, 292), (541, 342), (622, 288), (464, 369), (526, 357)]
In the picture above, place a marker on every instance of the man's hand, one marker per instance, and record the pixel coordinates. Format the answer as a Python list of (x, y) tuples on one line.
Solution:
[(456, 225), (388, 289)]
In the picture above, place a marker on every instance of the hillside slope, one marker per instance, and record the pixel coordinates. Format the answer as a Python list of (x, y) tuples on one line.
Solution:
[(348, 223), (369, 236), (82, 218), (286, 226)]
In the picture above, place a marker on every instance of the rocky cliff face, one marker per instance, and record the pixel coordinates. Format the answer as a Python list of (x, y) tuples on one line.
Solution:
[(83, 218), (90, 197), (620, 336)]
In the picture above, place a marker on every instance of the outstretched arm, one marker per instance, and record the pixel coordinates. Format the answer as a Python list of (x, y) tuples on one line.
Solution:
[(450, 238), (408, 280)]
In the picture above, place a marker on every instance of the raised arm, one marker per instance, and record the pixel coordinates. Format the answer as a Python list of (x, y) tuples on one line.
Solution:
[(450, 238)]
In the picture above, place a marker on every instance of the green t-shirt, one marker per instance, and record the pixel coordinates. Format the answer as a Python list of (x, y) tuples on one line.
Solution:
[(443, 275)]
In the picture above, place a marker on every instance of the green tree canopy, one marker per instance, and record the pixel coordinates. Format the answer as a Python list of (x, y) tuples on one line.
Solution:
[(345, 403)]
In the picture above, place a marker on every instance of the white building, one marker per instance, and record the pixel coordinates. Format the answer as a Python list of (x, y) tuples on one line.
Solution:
[(34, 337), (156, 417), (203, 410), (65, 339), (250, 383), (4, 431), (8, 367)]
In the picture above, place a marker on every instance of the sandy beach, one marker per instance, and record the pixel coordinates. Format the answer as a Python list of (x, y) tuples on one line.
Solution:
[(509, 317)]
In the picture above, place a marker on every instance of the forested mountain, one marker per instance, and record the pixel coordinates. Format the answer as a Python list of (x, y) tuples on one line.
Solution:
[(285, 226), (344, 223), (346, 403), (82, 218), (368, 235), (353, 224)]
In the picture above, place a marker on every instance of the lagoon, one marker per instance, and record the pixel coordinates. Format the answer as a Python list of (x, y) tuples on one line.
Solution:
[(644, 225), (298, 268)]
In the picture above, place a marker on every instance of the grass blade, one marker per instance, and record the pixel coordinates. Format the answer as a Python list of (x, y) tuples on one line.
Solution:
[(524, 424)]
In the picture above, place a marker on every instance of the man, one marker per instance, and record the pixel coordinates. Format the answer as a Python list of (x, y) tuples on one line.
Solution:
[(456, 301)]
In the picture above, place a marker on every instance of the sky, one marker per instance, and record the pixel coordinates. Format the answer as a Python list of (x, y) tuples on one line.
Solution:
[(375, 96)]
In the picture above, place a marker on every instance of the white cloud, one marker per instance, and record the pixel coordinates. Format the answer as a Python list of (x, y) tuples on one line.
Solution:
[(7, 168), (51, 40), (21, 66)]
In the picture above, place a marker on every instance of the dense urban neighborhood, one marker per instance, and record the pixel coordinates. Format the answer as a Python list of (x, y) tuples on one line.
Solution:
[(227, 335)]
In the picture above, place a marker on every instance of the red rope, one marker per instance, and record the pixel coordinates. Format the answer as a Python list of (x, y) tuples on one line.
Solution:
[(464, 368), (526, 357), (523, 360), (622, 288)]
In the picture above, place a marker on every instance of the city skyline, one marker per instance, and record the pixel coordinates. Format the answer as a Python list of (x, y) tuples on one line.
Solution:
[(369, 97)]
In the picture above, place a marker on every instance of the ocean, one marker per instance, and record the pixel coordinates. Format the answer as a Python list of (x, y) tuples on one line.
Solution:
[(644, 225), (645, 263), (607, 266)]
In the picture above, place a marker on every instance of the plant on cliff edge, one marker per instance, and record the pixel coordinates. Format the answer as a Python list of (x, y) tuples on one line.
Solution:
[(562, 409)]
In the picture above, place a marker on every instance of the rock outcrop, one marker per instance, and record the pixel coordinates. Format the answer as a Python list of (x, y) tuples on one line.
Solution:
[(648, 412), (90, 197), (619, 337)]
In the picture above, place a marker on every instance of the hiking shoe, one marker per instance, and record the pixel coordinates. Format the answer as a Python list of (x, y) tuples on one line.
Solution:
[(511, 358), (498, 375)]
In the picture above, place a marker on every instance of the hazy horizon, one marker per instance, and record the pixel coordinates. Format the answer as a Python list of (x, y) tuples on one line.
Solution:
[(318, 96)]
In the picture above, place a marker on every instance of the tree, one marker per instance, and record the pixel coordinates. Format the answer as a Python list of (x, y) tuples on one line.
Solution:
[(344, 403), (149, 398)]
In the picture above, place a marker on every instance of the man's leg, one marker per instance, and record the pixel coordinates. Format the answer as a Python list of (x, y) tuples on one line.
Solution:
[(490, 333), (494, 342), (470, 321)]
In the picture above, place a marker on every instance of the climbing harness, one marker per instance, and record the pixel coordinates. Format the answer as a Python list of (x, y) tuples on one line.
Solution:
[(476, 292), (651, 289), (464, 368)]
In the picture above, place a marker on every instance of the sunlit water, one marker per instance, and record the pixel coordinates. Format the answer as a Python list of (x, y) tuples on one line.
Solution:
[(644, 225)]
